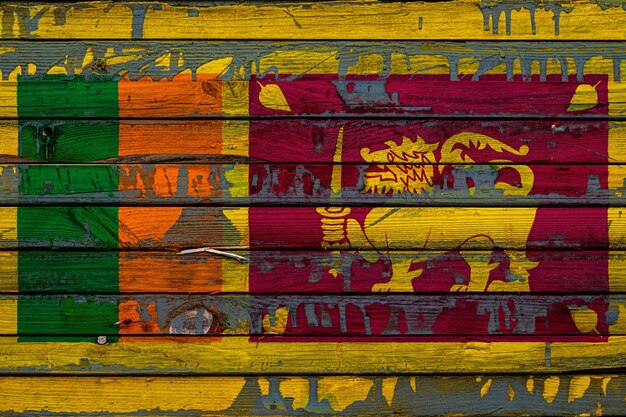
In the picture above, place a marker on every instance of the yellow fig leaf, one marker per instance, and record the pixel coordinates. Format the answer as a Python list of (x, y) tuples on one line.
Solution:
[(585, 319), (272, 97), (585, 97)]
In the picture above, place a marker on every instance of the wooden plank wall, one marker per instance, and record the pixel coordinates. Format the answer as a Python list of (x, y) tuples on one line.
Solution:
[(312, 208)]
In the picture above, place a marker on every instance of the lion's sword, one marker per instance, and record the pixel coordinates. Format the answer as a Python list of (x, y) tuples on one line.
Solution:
[(333, 217)]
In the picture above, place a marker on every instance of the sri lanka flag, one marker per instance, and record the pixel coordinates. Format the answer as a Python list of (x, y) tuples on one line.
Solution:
[(379, 273)]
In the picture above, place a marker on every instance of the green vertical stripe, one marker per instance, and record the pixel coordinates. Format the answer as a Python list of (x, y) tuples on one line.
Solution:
[(67, 227), (67, 140), (81, 317), (100, 182), (43, 137), (69, 272), (55, 96)]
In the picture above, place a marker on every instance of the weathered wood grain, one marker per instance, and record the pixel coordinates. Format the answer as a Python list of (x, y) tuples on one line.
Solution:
[(462, 20), (414, 182), (229, 60), (356, 228), (424, 395), (318, 107), (267, 272), (302, 140), (239, 355), (451, 317), (421, 96)]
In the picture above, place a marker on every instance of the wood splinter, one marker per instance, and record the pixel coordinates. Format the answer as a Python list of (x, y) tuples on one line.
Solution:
[(240, 258)]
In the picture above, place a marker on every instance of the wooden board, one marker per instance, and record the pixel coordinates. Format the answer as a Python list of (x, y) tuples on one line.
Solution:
[(316, 95), (314, 184), (351, 318), (340, 228), (236, 355), (500, 395), (232, 60), (300, 141), (462, 20), (300, 272)]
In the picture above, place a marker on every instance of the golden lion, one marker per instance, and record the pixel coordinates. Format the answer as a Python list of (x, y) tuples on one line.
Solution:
[(410, 168)]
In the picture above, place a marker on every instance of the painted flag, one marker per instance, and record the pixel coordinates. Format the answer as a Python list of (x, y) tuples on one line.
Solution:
[(365, 250)]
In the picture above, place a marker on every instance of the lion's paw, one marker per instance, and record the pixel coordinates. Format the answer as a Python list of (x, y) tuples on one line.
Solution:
[(459, 288), (393, 286)]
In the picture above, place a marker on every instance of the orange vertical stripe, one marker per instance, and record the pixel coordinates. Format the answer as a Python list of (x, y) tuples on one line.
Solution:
[(171, 137), (178, 97)]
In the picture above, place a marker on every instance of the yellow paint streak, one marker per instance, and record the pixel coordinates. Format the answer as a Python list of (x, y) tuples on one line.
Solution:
[(57, 70), (217, 66), (8, 224), (235, 274), (578, 387), (31, 69), (458, 20), (617, 226), (389, 387), (300, 62), (8, 271), (599, 65), (511, 392), (484, 390), (619, 326), (419, 64), (235, 140), (164, 61), (264, 386), (119, 395), (296, 388), (530, 384), (605, 383), (8, 314), (367, 64), (8, 102), (551, 388), (122, 59), (617, 101), (616, 180), (617, 232), (280, 323), (617, 153), (235, 98), (9, 133), (238, 217), (335, 391), (237, 354), (102, 20), (238, 178)]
